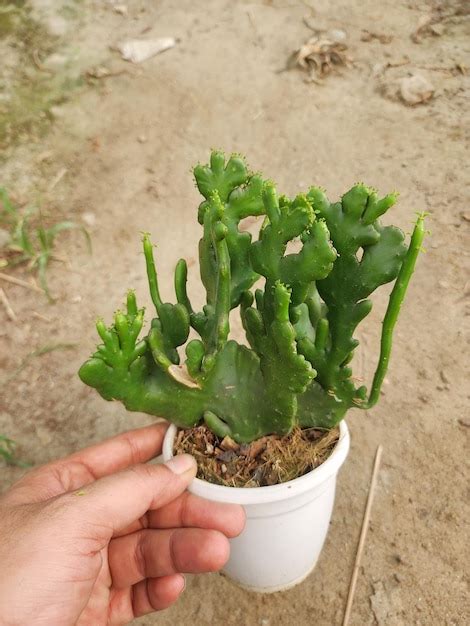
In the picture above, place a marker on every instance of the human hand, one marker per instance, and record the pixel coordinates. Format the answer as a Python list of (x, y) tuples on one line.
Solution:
[(99, 538)]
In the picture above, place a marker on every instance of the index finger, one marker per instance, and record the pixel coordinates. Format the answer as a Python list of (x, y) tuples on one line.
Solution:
[(118, 453), (85, 466)]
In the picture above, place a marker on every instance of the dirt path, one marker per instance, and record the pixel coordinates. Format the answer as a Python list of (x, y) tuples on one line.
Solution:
[(126, 143)]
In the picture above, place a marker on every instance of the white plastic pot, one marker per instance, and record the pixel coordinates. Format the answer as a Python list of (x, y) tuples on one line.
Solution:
[(286, 524)]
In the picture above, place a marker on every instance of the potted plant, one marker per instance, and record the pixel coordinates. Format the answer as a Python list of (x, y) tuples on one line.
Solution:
[(294, 376)]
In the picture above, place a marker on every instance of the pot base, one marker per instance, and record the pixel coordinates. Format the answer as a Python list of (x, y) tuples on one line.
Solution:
[(276, 589)]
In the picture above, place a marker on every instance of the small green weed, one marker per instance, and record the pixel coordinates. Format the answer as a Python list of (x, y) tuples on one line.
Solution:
[(30, 241), (7, 452), (7, 448)]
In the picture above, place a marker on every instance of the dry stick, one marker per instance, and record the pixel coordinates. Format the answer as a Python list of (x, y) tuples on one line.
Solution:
[(17, 281), (9, 311), (362, 538), (39, 316), (55, 181), (37, 62)]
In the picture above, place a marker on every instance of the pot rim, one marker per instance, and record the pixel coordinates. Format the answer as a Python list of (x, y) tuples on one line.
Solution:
[(272, 493)]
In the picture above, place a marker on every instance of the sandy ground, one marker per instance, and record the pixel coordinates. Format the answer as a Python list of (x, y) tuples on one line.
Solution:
[(123, 146)]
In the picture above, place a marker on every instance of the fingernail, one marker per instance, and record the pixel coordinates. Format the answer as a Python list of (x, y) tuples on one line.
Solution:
[(181, 463)]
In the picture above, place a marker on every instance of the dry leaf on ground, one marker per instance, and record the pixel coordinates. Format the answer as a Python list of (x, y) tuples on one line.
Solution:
[(425, 26), (319, 56), (433, 24)]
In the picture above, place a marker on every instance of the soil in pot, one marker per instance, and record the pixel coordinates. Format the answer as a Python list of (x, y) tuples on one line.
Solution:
[(267, 461)]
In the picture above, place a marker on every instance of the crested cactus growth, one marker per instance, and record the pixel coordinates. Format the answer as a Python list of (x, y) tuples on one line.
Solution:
[(300, 325)]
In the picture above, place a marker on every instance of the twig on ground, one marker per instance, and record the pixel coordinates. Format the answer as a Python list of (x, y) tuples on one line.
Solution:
[(17, 281), (37, 62), (39, 316), (100, 72), (362, 537), (9, 311), (55, 181)]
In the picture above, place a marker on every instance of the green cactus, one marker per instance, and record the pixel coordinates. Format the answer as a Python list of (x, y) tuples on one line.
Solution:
[(300, 325)]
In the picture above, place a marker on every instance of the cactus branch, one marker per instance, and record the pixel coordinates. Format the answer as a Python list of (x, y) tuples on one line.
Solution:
[(151, 272), (218, 426), (181, 277), (394, 305)]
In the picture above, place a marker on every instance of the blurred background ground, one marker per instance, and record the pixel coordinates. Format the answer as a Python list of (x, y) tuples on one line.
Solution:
[(107, 144)]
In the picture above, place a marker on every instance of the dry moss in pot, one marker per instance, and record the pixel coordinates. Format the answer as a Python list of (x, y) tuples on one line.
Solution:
[(269, 460), (295, 377)]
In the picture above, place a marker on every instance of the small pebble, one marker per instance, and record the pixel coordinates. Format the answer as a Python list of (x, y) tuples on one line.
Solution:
[(444, 377), (89, 218), (56, 26), (228, 443), (55, 61), (57, 112), (336, 35), (416, 89), (121, 9)]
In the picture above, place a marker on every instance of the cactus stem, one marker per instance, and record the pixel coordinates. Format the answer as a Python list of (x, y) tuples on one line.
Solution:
[(152, 273), (181, 276), (218, 426), (393, 309), (158, 354)]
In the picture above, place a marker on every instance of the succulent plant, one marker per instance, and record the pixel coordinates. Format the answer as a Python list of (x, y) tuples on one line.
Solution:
[(299, 325)]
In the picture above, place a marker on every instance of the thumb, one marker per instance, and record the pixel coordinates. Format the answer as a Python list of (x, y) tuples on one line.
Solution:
[(112, 503)]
